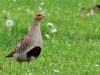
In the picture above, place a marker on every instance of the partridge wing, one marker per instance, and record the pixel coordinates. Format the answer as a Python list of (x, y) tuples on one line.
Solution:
[(22, 44)]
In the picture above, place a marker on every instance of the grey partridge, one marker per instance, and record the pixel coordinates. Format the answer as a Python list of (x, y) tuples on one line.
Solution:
[(29, 47)]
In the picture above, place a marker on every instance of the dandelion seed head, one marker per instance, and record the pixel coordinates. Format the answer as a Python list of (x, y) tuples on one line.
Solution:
[(9, 23)]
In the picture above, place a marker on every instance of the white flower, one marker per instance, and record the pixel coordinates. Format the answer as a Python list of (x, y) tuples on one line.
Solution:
[(47, 36), (90, 13), (9, 23), (56, 70), (14, 0), (96, 65), (54, 30), (42, 3), (51, 25)]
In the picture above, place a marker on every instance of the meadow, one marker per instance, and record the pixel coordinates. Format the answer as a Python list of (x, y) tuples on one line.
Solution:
[(72, 48)]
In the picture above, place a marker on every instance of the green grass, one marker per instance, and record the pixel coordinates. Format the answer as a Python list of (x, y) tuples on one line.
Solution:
[(73, 50)]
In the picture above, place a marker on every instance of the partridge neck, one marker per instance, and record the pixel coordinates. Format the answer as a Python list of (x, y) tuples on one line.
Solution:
[(34, 28), (36, 22)]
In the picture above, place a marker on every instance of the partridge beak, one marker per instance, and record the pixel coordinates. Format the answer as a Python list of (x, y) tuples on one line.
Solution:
[(43, 15)]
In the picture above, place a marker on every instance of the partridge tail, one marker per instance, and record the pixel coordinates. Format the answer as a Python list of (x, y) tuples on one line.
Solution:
[(9, 55)]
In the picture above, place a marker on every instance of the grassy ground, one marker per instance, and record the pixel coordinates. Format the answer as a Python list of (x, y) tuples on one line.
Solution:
[(73, 50)]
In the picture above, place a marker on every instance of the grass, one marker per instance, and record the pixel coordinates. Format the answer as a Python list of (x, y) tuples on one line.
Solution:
[(73, 50)]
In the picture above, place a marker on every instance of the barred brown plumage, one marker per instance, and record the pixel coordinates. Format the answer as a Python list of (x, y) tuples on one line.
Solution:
[(29, 46)]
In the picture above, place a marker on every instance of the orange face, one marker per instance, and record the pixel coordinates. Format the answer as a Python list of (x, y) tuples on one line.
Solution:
[(39, 16)]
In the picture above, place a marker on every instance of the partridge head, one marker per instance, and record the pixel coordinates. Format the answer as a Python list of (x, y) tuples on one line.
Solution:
[(39, 16)]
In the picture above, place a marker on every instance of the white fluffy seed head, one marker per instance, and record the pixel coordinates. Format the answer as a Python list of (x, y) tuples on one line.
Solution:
[(9, 23)]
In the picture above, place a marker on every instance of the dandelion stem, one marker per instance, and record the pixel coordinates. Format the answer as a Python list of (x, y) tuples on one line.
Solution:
[(94, 2)]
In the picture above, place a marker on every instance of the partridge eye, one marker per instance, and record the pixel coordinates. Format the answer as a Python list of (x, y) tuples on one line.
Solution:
[(39, 15)]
